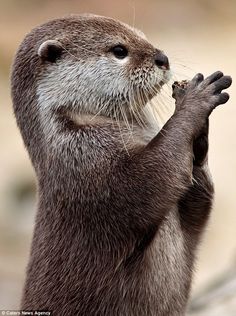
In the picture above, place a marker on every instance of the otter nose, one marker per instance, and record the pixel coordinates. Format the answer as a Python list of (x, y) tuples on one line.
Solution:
[(162, 61)]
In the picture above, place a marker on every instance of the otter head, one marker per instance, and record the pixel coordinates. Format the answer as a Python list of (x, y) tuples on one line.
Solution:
[(84, 64), (94, 65)]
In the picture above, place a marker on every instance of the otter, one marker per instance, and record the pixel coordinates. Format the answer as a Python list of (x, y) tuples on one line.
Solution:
[(121, 205)]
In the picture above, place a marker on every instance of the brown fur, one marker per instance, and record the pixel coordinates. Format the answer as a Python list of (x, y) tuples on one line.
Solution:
[(116, 231)]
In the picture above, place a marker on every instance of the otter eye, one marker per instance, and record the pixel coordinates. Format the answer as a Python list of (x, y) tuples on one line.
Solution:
[(119, 51)]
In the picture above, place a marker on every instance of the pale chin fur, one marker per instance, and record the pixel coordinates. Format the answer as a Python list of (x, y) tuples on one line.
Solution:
[(94, 95)]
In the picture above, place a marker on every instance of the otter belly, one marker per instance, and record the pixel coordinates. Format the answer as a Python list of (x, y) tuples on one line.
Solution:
[(170, 268)]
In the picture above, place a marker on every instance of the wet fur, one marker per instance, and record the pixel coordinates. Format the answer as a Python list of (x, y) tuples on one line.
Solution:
[(117, 228)]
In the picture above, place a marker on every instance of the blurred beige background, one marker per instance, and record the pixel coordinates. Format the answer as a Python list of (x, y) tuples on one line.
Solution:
[(197, 36)]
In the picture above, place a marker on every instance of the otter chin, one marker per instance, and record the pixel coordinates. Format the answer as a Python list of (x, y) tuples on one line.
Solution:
[(118, 216)]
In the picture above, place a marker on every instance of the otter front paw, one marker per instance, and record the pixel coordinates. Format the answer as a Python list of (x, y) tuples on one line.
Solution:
[(197, 99), (201, 96), (200, 143)]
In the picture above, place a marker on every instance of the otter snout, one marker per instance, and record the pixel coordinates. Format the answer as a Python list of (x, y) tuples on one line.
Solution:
[(162, 61)]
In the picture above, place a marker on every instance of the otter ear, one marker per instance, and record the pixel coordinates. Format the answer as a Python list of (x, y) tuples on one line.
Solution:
[(50, 50)]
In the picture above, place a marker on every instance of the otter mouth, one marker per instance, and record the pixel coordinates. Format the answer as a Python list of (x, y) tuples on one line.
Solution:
[(167, 74), (144, 94), (157, 87)]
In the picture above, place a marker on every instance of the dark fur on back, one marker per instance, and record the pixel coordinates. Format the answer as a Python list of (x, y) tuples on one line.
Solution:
[(117, 227)]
